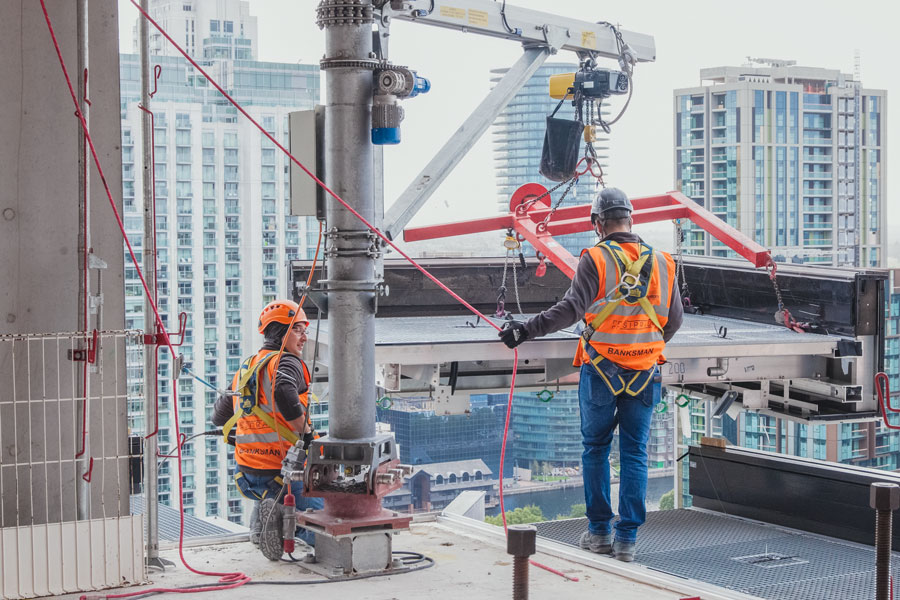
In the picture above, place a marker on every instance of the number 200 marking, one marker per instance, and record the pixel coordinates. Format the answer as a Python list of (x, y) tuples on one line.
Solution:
[(676, 368)]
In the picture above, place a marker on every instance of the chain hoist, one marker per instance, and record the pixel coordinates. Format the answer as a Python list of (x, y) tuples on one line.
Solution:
[(511, 244)]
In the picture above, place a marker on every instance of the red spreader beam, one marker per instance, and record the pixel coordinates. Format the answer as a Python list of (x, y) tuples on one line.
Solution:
[(529, 220)]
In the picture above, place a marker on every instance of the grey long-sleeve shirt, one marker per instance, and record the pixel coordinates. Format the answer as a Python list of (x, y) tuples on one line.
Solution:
[(584, 288)]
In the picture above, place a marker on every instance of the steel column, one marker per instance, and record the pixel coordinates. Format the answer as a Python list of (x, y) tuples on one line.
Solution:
[(83, 487), (149, 267), (351, 265)]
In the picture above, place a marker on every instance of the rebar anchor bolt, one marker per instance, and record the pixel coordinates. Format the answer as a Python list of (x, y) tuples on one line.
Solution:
[(885, 499), (520, 542)]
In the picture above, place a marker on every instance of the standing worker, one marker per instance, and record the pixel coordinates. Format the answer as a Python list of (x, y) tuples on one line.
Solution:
[(264, 432), (627, 295)]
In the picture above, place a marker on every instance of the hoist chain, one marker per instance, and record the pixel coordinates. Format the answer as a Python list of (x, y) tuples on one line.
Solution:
[(679, 259), (501, 297), (559, 201), (529, 203)]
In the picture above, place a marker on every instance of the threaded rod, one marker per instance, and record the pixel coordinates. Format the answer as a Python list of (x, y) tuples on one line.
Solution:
[(520, 578), (883, 525)]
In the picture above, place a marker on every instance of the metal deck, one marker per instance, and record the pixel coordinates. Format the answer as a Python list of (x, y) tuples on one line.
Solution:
[(745, 556)]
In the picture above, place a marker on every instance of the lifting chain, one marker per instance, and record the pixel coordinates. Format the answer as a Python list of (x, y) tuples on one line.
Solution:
[(783, 315), (511, 244), (679, 262)]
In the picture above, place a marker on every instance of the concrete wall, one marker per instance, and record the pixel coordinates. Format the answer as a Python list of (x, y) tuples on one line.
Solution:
[(39, 429)]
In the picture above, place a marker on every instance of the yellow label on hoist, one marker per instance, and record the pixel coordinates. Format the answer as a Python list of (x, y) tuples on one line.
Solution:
[(478, 17), (453, 13), (589, 40)]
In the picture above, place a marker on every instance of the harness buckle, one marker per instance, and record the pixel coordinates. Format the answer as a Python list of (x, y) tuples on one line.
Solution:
[(629, 281)]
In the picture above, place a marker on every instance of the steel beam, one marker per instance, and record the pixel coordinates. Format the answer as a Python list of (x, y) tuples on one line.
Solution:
[(725, 233), (427, 181), (575, 219), (484, 17)]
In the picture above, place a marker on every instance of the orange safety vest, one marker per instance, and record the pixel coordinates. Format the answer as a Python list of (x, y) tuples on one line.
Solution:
[(628, 337), (257, 445)]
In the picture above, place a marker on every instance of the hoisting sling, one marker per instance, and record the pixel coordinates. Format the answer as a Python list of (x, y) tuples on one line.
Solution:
[(634, 280)]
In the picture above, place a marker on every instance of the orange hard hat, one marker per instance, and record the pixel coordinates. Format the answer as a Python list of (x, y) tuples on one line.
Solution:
[(281, 311)]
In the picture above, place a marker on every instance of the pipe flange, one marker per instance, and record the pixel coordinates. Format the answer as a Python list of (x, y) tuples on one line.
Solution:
[(331, 13), (337, 63)]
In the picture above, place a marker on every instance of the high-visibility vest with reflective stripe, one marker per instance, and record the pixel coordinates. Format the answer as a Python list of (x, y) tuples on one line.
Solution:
[(257, 445), (628, 337)]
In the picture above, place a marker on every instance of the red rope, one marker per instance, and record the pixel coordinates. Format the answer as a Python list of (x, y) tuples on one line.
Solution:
[(233, 579)]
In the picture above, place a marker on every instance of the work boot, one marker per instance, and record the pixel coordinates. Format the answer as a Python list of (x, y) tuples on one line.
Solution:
[(600, 544), (271, 541), (255, 525), (623, 551)]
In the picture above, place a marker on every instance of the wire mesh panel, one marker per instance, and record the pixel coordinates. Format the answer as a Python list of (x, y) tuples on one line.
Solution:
[(64, 464)]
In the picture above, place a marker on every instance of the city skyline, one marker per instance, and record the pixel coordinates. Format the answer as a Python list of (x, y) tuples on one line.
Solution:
[(288, 33), (223, 226)]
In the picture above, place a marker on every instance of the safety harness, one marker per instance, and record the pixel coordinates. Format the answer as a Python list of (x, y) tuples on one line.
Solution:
[(248, 387), (634, 281)]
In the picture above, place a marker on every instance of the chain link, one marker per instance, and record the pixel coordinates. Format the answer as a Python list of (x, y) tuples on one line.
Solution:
[(515, 285), (529, 203), (679, 259), (559, 201)]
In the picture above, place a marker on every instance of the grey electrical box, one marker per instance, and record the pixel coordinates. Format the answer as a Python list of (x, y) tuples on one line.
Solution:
[(307, 197)]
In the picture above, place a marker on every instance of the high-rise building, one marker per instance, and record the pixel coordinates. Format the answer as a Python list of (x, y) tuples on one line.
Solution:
[(518, 136), (424, 438), (792, 156), (223, 227)]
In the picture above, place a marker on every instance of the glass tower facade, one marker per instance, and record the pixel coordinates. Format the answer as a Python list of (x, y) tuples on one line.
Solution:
[(791, 156), (518, 136), (224, 232), (425, 438)]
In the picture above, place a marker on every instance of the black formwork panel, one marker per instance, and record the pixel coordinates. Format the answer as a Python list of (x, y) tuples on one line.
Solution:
[(745, 556)]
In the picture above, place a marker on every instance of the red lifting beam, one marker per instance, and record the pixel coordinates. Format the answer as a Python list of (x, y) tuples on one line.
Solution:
[(530, 221)]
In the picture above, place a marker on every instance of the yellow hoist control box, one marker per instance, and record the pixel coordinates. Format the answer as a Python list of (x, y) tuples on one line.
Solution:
[(560, 85)]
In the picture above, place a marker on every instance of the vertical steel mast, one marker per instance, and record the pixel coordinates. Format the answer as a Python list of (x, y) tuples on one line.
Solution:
[(352, 468), (149, 267), (351, 248), (83, 489)]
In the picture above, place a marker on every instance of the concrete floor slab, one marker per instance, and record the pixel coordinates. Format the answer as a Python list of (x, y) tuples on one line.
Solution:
[(467, 566)]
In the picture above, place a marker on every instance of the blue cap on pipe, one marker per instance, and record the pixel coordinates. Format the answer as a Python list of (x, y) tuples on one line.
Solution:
[(385, 136)]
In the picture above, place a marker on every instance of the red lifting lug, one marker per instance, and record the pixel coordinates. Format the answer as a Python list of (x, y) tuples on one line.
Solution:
[(92, 348), (541, 269)]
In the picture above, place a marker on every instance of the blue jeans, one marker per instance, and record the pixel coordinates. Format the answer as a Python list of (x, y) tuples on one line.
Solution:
[(601, 411), (261, 483)]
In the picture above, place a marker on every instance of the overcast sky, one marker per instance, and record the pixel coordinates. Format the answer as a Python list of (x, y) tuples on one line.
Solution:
[(689, 35)]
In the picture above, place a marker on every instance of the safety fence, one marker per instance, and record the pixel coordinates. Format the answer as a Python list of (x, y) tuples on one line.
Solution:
[(65, 476)]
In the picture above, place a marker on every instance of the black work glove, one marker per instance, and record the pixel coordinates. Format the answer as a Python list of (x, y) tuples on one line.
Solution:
[(308, 437), (513, 333)]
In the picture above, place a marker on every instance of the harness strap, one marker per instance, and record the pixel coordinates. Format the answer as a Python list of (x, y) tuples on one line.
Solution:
[(640, 271), (250, 402)]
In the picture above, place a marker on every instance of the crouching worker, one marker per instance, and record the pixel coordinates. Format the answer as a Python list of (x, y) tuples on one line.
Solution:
[(262, 430)]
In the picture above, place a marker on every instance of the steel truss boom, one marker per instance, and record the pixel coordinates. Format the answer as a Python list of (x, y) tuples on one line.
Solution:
[(542, 34), (486, 17)]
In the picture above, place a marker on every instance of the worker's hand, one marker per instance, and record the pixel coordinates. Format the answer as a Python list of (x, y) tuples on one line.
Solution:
[(308, 437), (513, 334)]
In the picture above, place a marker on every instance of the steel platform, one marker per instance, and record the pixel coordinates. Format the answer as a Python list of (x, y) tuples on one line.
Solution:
[(756, 351), (746, 556)]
